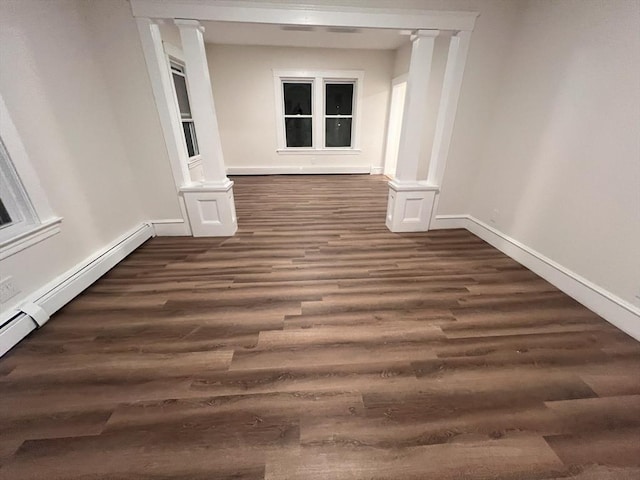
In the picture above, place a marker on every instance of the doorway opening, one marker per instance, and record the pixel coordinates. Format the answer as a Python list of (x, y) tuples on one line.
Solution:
[(396, 110)]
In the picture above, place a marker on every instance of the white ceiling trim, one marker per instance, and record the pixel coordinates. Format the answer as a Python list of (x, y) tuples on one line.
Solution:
[(324, 16)]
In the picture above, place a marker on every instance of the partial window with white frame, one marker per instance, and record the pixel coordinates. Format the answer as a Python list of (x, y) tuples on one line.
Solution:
[(182, 96), (317, 112), (26, 218), (16, 212)]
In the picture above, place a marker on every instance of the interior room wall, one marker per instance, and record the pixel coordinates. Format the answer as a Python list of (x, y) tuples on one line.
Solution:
[(243, 89), (118, 53), (61, 98), (560, 170), (401, 59)]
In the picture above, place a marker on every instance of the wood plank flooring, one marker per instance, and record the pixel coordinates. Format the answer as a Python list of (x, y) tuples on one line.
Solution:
[(315, 344)]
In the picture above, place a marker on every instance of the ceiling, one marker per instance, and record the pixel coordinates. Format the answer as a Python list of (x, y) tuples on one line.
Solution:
[(303, 36)]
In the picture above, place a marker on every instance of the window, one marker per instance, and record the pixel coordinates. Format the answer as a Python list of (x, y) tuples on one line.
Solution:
[(297, 113), (16, 212), (338, 116), (182, 95), (26, 217), (317, 111)]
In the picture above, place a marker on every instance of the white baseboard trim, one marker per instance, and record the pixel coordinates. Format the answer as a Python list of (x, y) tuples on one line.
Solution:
[(172, 227), (60, 291), (376, 170), (301, 170), (442, 222), (612, 308)]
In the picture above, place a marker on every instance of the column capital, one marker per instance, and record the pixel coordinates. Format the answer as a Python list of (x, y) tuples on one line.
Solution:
[(186, 23), (416, 34)]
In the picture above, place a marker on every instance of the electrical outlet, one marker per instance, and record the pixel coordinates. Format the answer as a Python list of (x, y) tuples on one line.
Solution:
[(7, 289), (495, 215)]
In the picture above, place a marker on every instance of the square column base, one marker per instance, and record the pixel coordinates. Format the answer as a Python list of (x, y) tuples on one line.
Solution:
[(211, 209), (410, 205)]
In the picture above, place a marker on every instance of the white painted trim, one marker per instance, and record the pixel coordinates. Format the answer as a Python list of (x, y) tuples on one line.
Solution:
[(319, 151), (14, 331), (290, 14), (612, 308), (442, 222), (221, 186), (32, 236), (302, 170), (171, 227), (417, 186), (60, 291), (194, 162), (174, 52), (376, 170)]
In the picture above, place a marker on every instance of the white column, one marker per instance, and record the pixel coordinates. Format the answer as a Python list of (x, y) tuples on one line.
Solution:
[(452, 83), (164, 96), (203, 108), (210, 205), (166, 104), (410, 201)]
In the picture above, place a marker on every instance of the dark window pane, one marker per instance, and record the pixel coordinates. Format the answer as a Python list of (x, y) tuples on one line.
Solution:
[(5, 218), (196, 149), (190, 138), (183, 97), (298, 132), (297, 98), (339, 99), (338, 132)]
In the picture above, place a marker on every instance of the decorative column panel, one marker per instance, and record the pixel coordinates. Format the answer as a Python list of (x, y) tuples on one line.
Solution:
[(454, 71), (210, 205), (410, 201)]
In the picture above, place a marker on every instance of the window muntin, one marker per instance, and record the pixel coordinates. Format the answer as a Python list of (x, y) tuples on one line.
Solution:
[(182, 96)]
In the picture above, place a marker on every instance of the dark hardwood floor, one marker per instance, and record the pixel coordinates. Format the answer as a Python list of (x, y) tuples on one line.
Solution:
[(315, 344)]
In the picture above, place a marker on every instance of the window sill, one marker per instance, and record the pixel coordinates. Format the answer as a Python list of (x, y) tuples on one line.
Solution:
[(319, 151), (32, 236), (194, 161)]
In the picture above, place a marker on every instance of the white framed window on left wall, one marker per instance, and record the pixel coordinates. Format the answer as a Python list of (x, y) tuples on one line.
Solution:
[(17, 215), (26, 217), (182, 96)]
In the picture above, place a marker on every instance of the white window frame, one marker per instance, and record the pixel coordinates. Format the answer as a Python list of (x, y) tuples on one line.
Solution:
[(174, 55), (318, 80), (23, 195)]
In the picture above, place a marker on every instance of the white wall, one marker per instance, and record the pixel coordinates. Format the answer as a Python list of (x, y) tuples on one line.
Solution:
[(242, 81), (74, 82), (118, 52), (562, 160)]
